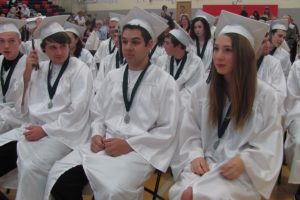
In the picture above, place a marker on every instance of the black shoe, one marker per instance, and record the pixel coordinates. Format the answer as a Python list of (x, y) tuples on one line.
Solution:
[(3, 196), (297, 195)]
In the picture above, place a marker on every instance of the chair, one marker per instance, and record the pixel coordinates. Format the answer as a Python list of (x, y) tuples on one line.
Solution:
[(154, 192)]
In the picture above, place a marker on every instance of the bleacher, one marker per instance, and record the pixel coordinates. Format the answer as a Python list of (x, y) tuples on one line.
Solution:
[(45, 7)]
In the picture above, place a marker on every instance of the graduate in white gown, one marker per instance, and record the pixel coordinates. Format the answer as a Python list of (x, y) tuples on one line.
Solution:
[(292, 122), (55, 105), (185, 66), (130, 137), (158, 48), (77, 49), (270, 71), (107, 46), (202, 37), (110, 62), (230, 135), (12, 61), (277, 35)]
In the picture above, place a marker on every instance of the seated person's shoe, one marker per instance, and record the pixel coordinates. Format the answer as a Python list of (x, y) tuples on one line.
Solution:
[(3, 197), (297, 195)]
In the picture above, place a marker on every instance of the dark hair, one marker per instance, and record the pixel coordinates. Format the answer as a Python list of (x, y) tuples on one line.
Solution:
[(207, 33), (175, 41), (146, 35), (161, 37), (60, 38), (243, 87), (189, 24), (79, 46)]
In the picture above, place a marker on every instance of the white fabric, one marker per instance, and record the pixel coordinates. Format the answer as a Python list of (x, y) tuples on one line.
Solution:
[(151, 133), (101, 52), (193, 72), (259, 144), (27, 46), (284, 58), (93, 41), (159, 51), (86, 57), (292, 122), (108, 63), (66, 124), (270, 72), (207, 57), (13, 92)]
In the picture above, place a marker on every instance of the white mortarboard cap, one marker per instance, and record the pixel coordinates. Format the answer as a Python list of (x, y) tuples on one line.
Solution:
[(159, 17), (74, 28), (181, 35), (142, 18), (50, 26), (33, 19), (31, 22), (115, 16), (11, 25), (281, 24), (208, 17), (253, 30)]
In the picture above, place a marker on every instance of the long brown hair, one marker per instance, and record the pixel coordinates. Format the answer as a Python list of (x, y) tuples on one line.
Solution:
[(243, 85)]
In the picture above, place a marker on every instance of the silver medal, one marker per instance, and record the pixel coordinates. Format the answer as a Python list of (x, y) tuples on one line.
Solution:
[(127, 118), (50, 105), (4, 99), (216, 144)]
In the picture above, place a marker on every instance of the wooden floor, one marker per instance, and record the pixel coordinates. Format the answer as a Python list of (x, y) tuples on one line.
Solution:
[(284, 191)]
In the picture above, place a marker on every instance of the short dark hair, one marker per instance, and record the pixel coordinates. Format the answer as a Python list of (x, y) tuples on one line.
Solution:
[(175, 41), (146, 35), (59, 37)]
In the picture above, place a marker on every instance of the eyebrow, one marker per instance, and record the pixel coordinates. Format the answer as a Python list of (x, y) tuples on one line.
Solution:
[(134, 38)]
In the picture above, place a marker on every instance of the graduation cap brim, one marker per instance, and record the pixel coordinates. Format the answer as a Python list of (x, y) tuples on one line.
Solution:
[(181, 35), (50, 26), (74, 28), (142, 18), (253, 30)]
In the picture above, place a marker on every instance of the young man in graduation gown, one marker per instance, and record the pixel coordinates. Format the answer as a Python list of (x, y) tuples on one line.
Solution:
[(55, 105), (270, 71), (134, 127), (185, 66), (110, 62), (277, 35), (107, 46), (12, 63), (292, 123)]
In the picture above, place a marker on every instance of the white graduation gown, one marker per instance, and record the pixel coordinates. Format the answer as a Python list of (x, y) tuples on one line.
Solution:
[(292, 122), (270, 72), (284, 58), (107, 64), (93, 41), (86, 57), (8, 119), (101, 52), (159, 51), (192, 73), (27, 46), (151, 133), (259, 144), (207, 57), (66, 124), (13, 92)]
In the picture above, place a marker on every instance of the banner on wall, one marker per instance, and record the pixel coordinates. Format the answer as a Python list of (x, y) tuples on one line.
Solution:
[(216, 9)]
